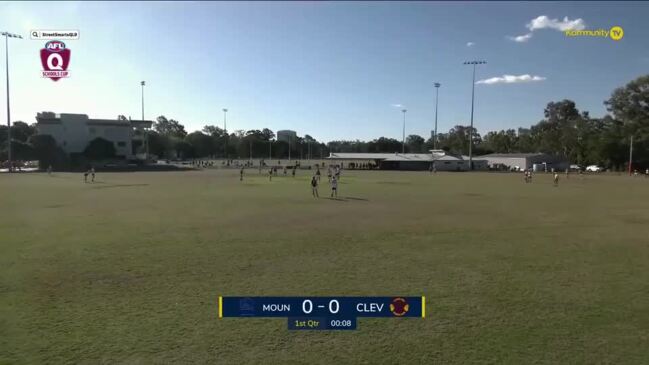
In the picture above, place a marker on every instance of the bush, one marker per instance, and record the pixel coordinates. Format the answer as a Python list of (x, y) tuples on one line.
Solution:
[(47, 152)]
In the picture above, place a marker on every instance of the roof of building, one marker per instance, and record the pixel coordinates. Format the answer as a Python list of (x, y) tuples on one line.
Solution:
[(410, 157), (378, 156), (117, 123), (513, 155), (51, 118), (401, 157)]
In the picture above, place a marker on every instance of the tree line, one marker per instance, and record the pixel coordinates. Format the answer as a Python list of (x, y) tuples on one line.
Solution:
[(565, 131), (169, 139)]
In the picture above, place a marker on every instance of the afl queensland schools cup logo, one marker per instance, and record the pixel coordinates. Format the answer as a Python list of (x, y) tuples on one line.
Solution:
[(55, 59)]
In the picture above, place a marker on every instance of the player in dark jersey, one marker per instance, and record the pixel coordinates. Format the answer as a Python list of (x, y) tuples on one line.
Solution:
[(334, 187), (314, 187)]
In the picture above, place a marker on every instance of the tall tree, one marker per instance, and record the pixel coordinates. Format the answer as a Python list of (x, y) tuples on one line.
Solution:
[(500, 142), (268, 134), (218, 138), (630, 105), (47, 152), (457, 139), (415, 144), (560, 127), (159, 145), (169, 127), (21, 131), (213, 131), (384, 145), (203, 145)]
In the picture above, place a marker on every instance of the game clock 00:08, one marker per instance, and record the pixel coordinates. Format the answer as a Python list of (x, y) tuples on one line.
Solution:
[(340, 323)]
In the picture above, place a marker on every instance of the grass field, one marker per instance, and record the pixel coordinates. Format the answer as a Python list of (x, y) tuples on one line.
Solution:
[(129, 269)]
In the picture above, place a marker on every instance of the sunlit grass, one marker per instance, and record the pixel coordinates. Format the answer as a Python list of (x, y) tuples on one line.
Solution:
[(128, 269)]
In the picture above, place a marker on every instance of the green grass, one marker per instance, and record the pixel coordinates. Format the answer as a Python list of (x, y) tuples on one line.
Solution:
[(129, 269)]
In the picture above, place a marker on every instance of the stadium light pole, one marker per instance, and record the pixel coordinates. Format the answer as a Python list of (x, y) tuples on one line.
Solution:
[(403, 144), (437, 85), (225, 134), (8, 35), (474, 63), (146, 133), (630, 155)]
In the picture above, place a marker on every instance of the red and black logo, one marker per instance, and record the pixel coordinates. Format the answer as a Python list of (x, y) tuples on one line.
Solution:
[(399, 307)]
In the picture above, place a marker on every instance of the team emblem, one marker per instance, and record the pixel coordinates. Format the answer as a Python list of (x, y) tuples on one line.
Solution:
[(399, 307)]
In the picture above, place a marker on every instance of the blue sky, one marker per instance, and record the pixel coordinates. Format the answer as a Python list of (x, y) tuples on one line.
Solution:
[(332, 70)]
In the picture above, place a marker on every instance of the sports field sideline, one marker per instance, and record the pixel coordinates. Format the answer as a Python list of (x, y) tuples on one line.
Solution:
[(129, 269)]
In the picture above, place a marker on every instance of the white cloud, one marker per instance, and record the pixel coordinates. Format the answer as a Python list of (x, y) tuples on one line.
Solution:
[(542, 22), (521, 38), (396, 105), (470, 44), (511, 79)]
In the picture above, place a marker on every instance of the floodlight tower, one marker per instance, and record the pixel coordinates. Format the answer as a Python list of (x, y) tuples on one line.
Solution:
[(8, 35), (225, 134), (403, 144), (146, 132), (474, 63), (437, 85)]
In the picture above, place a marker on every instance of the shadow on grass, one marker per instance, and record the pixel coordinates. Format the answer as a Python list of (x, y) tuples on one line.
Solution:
[(54, 206), (116, 186), (394, 182), (337, 199), (354, 198)]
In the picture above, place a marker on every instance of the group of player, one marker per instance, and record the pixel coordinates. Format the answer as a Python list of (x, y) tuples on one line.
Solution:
[(91, 172), (527, 176), (333, 175), (273, 171)]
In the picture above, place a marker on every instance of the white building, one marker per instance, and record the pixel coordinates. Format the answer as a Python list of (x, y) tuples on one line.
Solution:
[(73, 132), (524, 161), (410, 161)]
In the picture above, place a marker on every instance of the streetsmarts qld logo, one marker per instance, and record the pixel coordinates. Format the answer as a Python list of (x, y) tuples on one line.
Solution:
[(615, 33), (55, 59)]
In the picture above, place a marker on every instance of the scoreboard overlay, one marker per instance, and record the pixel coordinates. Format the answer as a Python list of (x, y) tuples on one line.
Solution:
[(322, 313)]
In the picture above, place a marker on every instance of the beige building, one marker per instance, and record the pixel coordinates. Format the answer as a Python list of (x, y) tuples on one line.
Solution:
[(73, 132), (286, 136)]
